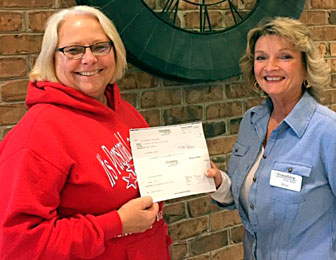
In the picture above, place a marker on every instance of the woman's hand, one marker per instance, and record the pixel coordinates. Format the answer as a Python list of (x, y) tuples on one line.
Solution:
[(215, 173), (138, 215)]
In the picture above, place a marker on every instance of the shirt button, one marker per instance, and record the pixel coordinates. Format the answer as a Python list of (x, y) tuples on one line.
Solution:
[(252, 206), (264, 156), (290, 169), (254, 179)]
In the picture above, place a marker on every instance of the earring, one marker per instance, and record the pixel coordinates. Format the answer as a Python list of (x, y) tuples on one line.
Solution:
[(256, 86), (306, 84)]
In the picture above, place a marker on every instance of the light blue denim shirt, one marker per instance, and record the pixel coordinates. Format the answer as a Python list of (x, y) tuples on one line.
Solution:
[(283, 224)]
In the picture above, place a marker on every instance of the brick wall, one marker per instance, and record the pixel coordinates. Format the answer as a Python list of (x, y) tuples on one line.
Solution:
[(201, 231)]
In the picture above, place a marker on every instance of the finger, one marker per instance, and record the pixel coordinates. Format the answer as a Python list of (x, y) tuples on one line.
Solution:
[(211, 172), (147, 202), (213, 165), (155, 208)]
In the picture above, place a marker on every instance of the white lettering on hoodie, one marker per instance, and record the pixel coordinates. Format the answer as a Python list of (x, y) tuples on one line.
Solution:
[(119, 159)]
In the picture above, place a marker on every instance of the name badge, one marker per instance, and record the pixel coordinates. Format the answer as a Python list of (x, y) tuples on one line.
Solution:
[(286, 180)]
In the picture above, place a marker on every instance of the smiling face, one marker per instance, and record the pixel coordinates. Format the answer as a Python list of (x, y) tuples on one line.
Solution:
[(90, 74), (279, 68)]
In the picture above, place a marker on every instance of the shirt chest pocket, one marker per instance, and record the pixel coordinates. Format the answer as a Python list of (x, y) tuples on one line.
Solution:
[(291, 169), (237, 158)]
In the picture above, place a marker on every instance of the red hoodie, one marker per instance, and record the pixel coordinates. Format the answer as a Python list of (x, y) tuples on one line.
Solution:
[(65, 169)]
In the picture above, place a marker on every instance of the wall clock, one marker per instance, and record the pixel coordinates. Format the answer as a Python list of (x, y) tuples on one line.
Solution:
[(158, 42)]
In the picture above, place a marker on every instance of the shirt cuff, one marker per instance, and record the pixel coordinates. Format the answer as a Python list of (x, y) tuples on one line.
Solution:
[(223, 194), (111, 224)]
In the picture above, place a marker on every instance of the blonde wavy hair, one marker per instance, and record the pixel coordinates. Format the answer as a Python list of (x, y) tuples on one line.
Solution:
[(297, 33), (44, 67)]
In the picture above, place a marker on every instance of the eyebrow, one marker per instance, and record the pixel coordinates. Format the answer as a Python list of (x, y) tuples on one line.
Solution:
[(283, 49)]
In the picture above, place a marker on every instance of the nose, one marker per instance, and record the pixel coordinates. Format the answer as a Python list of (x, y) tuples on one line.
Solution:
[(88, 57), (272, 64)]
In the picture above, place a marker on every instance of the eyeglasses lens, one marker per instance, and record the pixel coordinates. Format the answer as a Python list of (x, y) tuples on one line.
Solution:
[(77, 52)]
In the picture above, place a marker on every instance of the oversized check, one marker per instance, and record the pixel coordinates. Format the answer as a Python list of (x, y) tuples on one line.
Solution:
[(170, 161)]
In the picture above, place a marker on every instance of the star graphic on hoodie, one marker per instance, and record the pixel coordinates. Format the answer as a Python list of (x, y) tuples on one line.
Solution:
[(131, 181)]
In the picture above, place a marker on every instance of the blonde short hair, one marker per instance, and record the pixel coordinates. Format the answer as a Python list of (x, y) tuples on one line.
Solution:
[(299, 35), (44, 68)]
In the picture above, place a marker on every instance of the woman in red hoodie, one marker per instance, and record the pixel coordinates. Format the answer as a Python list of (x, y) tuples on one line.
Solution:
[(67, 181)]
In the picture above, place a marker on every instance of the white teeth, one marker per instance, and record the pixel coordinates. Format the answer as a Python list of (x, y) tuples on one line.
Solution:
[(88, 73), (273, 78)]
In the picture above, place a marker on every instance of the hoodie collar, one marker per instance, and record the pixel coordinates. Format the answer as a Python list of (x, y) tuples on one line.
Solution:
[(45, 92)]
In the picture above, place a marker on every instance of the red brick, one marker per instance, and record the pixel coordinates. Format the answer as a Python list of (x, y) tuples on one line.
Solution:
[(131, 98), (14, 90), (222, 110), (232, 252), (307, 5), (208, 243), (182, 114), (332, 63), (201, 206), (161, 98), (179, 250), (11, 114), (327, 97), (203, 94), (237, 234), (213, 129), (13, 72), (12, 67), (26, 4), (327, 4), (174, 212), (66, 3), (188, 228), (136, 79), (314, 17), (332, 17), (201, 257), (20, 44), (192, 20), (152, 116), (246, 4), (323, 48), (11, 21), (224, 219), (324, 33), (171, 83), (333, 107), (333, 81), (182, 5), (221, 145), (333, 49), (239, 90), (234, 125), (254, 102), (37, 20)]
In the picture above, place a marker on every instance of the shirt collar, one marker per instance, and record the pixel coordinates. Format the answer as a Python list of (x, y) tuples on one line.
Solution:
[(262, 112), (298, 119)]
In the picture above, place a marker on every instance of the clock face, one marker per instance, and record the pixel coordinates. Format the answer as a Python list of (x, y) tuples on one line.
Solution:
[(202, 16), (190, 40)]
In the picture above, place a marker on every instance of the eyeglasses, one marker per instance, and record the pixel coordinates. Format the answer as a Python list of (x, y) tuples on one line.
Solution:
[(75, 52)]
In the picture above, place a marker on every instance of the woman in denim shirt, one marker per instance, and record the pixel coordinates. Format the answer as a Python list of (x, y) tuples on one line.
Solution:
[(282, 171)]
